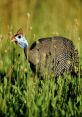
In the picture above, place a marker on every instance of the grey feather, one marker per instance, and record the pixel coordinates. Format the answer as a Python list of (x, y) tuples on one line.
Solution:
[(53, 55)]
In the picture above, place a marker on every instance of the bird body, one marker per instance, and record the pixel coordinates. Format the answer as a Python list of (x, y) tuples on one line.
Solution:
[(52, 55)]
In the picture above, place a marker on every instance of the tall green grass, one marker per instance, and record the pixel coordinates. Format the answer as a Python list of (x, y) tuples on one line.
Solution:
[(21, 93), (30, 97), (25, 95)]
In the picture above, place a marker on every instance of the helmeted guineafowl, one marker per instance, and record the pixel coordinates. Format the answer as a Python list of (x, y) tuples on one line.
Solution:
[(52, 55)]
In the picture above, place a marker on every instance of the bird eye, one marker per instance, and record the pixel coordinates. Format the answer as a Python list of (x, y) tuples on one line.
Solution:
[(19, 36)]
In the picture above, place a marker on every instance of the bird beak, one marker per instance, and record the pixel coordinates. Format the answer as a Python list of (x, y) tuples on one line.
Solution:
[(13, 39)]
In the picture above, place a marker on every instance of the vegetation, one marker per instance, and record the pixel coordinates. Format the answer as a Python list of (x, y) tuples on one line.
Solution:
[(21, 93)]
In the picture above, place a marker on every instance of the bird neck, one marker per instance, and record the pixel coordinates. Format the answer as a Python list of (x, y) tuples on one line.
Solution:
[(26, 52)]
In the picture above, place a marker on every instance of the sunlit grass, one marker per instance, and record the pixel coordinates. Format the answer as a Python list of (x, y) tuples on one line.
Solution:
[(28, 96), (21, 92)]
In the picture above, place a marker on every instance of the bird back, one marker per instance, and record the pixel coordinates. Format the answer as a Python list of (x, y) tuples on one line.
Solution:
[(53, 55)]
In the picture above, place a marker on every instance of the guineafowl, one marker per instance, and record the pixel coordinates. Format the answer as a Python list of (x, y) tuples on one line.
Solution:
[(51, 55)]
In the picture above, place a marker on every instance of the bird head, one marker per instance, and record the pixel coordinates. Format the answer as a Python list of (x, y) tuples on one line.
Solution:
[(20, 39)]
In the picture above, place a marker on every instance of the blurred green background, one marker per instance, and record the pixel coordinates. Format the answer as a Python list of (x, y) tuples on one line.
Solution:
[(42, 17), (39, 18)]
